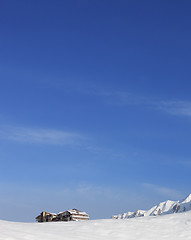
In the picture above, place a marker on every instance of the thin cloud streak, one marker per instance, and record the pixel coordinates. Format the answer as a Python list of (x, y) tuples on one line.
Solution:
[(176, 107), (163, 191), (40, 136), (173, 107), (123, 97)]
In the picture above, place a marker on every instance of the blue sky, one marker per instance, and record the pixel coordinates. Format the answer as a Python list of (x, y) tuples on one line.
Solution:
[(95, 105)]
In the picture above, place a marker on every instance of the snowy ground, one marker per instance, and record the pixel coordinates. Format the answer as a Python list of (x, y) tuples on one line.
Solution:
[(172, 227)]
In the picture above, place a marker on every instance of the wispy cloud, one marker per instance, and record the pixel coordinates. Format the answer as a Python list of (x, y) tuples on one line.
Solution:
[(175, 107), (40, 136), (163, 191), (107, 94), (123, 97)]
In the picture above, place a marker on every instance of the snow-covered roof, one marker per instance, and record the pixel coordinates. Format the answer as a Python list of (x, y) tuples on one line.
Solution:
[(74, 211)]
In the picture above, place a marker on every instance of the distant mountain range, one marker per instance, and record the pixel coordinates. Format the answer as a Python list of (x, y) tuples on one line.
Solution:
[(162, 208)]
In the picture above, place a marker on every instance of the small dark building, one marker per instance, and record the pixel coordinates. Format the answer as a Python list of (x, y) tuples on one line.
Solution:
[(45, 217)]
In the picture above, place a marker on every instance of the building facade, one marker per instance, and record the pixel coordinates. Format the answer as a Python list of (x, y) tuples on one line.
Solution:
[(69, 215)]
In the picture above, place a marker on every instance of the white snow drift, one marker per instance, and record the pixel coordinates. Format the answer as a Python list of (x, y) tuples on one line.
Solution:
[(168, 227)]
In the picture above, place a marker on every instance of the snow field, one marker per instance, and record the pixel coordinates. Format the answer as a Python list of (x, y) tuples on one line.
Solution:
[(171, 227)]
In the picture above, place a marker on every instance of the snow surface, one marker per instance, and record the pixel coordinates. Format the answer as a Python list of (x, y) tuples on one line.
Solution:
[(171, 227)]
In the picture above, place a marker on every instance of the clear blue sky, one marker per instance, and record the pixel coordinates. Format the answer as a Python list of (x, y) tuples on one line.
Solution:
[(95, 105)]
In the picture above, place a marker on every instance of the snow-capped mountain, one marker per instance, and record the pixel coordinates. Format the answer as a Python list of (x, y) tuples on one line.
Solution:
[(162, 208)]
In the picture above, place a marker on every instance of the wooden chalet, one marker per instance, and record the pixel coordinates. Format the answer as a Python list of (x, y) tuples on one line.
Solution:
[(69, 215), (45, 217)]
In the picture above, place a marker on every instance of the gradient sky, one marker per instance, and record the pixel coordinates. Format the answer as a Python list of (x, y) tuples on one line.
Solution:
[(95, 105)]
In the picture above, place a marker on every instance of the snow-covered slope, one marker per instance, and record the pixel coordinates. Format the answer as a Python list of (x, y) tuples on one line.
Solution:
[(168, 227), (162, 208)]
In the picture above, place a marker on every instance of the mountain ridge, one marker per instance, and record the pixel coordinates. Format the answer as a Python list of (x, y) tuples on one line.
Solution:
[(166, 207)]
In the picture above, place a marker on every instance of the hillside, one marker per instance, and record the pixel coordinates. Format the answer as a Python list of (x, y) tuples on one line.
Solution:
[(171, 227)]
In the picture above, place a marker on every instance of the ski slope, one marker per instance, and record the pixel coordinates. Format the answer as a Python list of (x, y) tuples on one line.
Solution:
[(169, 227)]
